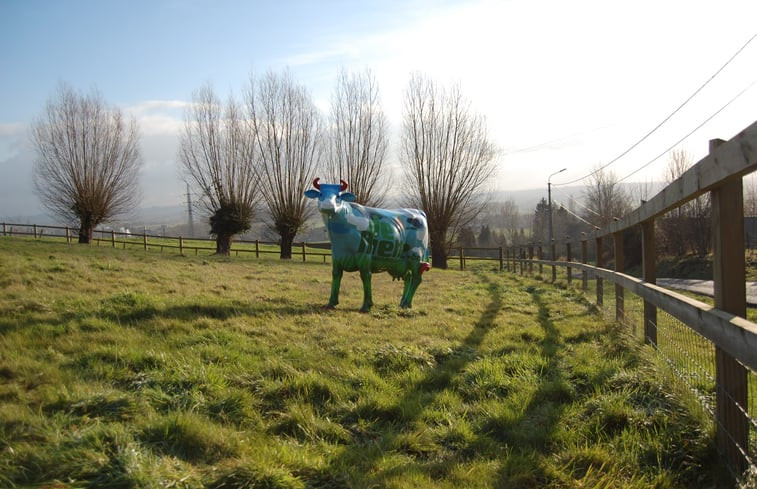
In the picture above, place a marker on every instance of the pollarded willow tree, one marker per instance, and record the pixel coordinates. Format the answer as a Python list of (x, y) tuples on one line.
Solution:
[(217, 157), (358, 137), (447, 158), (287, 131), (88, 161)]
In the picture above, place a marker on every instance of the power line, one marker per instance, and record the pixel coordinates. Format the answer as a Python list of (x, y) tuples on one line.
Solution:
[(690, 133), (562, 206), (664, 120), (575, 201)]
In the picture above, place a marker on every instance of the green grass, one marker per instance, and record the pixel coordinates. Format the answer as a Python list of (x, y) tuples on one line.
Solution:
[(125, 368)]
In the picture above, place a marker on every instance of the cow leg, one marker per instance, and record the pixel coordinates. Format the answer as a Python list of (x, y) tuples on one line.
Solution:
[(407, 281), (365, 276), (412, 280), (336, 282)]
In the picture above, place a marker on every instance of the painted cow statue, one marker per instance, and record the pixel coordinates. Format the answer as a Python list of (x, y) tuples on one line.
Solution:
[(368, 240)]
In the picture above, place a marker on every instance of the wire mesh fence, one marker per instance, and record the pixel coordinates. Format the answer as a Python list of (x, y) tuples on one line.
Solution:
[(693, 359)]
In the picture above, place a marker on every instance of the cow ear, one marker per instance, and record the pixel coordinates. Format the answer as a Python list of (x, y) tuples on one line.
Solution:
[(347, 197), (312, 193)]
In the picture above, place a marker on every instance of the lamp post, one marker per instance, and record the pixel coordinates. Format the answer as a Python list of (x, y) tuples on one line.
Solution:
[(549, 205)]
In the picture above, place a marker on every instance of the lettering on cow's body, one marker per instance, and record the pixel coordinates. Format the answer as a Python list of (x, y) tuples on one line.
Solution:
[(370, 240)]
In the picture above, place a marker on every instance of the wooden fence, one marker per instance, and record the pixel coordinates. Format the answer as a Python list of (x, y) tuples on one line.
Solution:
[(319, 251), (734, 338)]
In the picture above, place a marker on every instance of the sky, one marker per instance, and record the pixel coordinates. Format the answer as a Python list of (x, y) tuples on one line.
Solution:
[(561, 84)]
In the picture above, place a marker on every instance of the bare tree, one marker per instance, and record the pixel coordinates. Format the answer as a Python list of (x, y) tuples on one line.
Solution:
[(686, 228), (509, 220), (358, 137), (287, 132), (447, 158), (88, 162), (217, 157), (605, 198)]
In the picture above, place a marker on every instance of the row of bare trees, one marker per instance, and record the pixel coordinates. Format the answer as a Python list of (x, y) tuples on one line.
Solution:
[(253, 158)]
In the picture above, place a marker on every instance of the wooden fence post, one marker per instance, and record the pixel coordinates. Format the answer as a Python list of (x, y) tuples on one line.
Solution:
[(462, 259), (584, 260), (531, 258), (540, 254), (600, 264), (501, 263), (728, 265), (181, 245), (144, 238), (112, 239), (68, 235), (649, 266), (257, 248), (522, 258), (3, 229), (303, 251), (569, 257), (618, 248), (35, 231)]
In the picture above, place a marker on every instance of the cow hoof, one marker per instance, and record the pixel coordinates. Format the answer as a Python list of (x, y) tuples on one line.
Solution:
[(329, 307), (364, 310)]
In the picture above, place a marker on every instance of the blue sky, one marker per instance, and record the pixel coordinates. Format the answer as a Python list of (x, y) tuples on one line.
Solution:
[(562, 84)]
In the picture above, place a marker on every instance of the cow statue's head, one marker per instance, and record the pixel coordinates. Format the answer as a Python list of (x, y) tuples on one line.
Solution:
[(330, 195)]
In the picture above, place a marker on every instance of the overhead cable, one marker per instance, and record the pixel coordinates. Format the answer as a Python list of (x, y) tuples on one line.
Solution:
[(690, 133), (562, 206), (664, 120)]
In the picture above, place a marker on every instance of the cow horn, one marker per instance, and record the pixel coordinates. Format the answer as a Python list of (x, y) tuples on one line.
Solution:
[(344, 186), (316, 184)]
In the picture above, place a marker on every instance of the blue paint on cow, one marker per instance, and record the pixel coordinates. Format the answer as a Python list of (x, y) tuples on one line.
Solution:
[(368, 240)]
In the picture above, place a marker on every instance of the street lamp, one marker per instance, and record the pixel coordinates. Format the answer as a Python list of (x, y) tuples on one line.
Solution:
[(549, 205)]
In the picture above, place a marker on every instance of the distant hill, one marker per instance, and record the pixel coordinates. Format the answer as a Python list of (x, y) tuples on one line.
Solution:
[(526, 200)]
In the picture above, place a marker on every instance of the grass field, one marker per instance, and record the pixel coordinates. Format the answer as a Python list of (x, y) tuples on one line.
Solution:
[(133, 369)]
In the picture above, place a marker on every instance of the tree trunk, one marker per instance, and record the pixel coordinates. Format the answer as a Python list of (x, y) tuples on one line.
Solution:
[(223, 244), (85, 232), (286, 246), (439, 254)]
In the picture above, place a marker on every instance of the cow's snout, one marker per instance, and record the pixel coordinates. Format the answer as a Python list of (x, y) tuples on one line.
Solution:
[(327, 205)]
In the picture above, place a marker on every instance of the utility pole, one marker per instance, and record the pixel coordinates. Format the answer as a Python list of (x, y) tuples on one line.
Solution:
[(190, 222), (549, 205)]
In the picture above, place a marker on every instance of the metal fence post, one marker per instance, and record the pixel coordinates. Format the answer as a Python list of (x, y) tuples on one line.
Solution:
[(554, 259)]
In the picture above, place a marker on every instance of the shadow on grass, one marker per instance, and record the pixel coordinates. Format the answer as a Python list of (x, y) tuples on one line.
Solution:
[(131, 313), (409, 408), (533, 432)]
